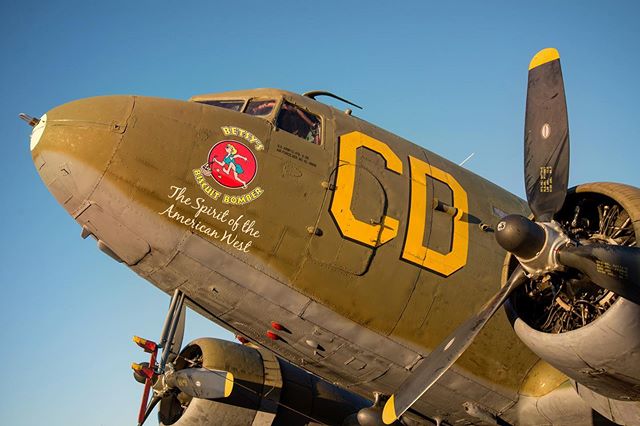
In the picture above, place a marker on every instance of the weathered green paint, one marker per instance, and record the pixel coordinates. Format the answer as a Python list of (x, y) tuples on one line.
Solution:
[(145, 148)]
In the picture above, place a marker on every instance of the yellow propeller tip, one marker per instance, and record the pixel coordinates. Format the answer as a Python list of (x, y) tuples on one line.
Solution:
[(542, 57), (228, 385), (389, 412)]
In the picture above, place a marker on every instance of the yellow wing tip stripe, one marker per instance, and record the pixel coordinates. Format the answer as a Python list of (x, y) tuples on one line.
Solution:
[(544, 56), (389, 412), (228, 385)]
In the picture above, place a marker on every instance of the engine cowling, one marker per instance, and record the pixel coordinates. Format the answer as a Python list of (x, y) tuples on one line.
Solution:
[(267, 390), (585, 331)]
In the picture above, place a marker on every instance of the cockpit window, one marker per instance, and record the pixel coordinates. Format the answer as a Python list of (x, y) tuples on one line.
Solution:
[(300, 123), (232, 105), (260, 107)]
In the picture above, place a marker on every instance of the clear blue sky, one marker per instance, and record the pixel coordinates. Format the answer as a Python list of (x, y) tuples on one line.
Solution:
[(450, 76)]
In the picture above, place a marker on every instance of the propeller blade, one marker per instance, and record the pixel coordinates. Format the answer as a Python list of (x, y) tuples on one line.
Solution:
[(152, 405), (170, 409), (201, 382), (144, 407), (616, 268), (446, 354), (546, 136)]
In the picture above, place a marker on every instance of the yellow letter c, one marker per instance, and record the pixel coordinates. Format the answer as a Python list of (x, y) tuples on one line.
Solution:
[(372, 235)]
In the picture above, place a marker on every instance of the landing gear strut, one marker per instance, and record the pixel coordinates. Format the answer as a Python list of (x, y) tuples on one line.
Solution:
[(170, 343)]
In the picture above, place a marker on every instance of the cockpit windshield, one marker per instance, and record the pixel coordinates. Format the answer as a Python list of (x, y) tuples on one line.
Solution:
[(263, 107), (255, 107), (290, 118), (232, 105)]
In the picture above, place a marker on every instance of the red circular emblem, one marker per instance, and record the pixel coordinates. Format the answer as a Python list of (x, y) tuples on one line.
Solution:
[(232, 164)]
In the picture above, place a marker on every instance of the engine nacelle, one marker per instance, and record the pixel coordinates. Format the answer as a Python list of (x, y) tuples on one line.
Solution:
[(588, 333), (267, 390), (603, 356)]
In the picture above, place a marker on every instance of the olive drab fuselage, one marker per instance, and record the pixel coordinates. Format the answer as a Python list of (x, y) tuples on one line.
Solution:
[(352, 237)]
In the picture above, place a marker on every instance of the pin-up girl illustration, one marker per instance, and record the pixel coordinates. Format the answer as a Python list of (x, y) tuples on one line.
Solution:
[(229, 163)]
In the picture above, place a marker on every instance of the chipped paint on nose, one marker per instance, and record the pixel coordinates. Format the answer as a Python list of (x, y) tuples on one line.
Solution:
[(73, 144), (72, 151)]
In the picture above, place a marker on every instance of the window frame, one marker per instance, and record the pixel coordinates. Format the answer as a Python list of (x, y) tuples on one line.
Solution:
[(242, 107), (320, 117), (270, 116)]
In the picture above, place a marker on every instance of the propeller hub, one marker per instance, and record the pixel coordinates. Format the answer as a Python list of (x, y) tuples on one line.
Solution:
[(520, 236), (535, 245)]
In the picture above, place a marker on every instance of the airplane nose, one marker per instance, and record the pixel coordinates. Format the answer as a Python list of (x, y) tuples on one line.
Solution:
[(72, 145)]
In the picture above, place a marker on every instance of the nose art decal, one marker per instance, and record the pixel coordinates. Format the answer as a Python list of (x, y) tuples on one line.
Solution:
[(233, 166)]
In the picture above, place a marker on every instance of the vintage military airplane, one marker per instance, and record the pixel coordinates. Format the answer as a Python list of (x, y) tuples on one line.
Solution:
[(354, 266)]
